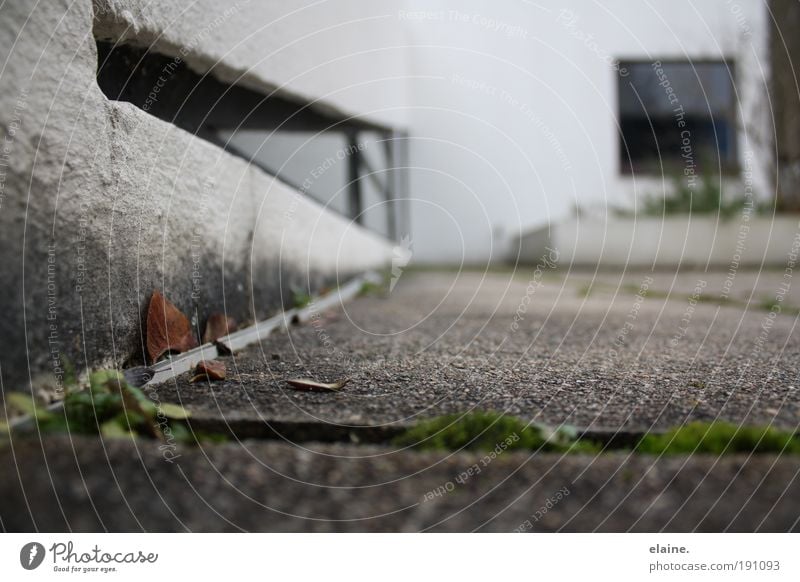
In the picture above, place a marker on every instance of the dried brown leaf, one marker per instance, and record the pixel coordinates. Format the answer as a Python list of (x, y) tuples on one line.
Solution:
[(310, 385), (218, 325), (208, 371), (168, 329)]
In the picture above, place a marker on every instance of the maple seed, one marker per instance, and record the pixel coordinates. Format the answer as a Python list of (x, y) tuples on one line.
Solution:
[(309, 385), (208, 370), (218, 325), (168, 329)]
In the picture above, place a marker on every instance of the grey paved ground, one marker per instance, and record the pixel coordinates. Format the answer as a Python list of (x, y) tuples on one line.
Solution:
[(446, 342)]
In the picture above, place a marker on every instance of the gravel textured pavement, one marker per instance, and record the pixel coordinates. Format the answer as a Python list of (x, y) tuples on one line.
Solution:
[(637, 352)]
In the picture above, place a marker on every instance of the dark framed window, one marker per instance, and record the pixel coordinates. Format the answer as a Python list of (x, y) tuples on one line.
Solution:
[(677, 115)]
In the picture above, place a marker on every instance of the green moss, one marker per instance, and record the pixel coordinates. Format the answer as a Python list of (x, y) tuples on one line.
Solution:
[(718, 438), (210, 438), (369, 288), (772, 304), (300, 298), (70, 377), (702, 196), (109, 406), (485, 431), (767, 304)]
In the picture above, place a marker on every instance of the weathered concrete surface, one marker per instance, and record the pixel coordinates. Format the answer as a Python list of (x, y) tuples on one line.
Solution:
[(449, 342), (257, 486), (102, 203)]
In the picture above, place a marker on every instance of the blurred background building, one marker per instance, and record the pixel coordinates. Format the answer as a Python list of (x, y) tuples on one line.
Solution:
[(530, 114), (522, 116)]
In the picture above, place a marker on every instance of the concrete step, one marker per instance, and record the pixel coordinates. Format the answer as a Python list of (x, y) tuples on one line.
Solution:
[(89, 485)]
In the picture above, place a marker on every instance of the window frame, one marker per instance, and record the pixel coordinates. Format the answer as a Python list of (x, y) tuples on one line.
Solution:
[(723, 168)]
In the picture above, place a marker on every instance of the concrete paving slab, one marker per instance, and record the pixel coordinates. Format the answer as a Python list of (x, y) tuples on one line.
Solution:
[(638, 351), (89, 485)]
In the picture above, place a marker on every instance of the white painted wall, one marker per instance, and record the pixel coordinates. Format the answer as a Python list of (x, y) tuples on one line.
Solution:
[(513, 111)]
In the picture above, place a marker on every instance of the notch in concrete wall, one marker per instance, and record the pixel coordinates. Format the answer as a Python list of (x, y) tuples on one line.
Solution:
[(254, 126)]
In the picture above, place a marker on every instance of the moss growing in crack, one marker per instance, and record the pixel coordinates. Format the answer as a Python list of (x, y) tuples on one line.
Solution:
[(718, 438), (300, 298), (485, 431), (378, 286), (370, 288), (772, 304), (109, 406)]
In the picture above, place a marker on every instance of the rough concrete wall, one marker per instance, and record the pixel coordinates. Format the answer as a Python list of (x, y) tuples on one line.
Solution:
[(101, 203)]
